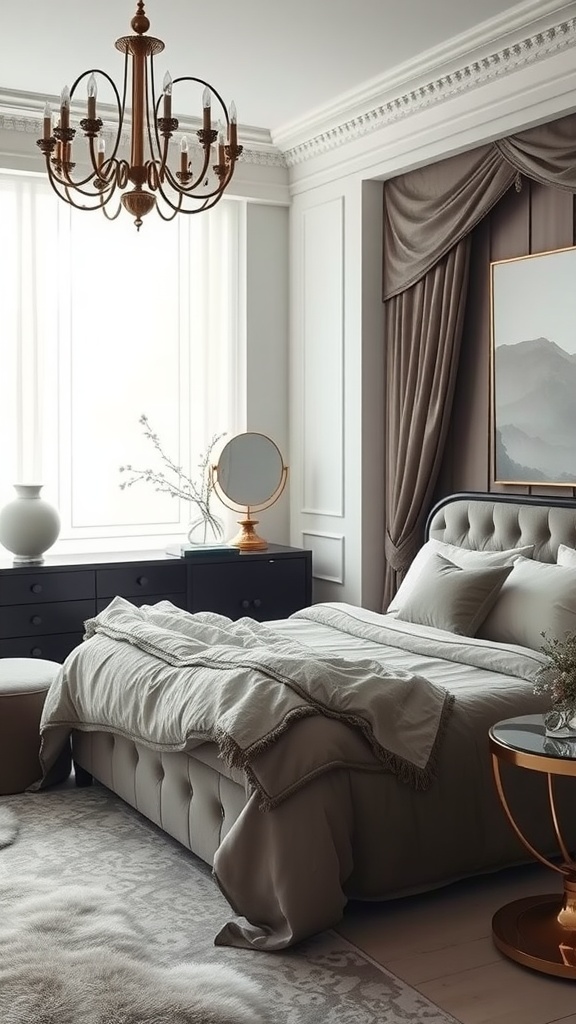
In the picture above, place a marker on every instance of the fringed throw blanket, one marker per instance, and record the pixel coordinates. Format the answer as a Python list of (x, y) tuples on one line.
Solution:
[(172, 681)]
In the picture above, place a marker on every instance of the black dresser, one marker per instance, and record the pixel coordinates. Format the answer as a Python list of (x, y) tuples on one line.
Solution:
[(43, 608)]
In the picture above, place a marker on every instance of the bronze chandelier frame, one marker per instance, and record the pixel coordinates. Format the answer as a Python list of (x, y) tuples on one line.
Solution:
[(149, 173)]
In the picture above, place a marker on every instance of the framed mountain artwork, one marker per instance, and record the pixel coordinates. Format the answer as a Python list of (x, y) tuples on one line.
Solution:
[(533, 369)]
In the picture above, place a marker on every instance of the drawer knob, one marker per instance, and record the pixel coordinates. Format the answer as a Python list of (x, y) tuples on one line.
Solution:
[(36, 588), (142, 581), (257, 602), (245, 603), (36, 652), (36, 620)]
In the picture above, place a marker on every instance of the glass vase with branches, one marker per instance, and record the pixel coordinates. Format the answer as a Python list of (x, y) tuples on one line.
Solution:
[(174, 481)]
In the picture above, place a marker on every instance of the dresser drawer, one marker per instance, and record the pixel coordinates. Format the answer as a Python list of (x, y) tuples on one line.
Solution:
[(263, 589), (40, 586), (40, 619), (135, 581), (53, 647), (178, 599)]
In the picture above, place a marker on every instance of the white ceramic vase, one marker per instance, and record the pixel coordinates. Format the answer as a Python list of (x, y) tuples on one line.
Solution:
[(28, 525)]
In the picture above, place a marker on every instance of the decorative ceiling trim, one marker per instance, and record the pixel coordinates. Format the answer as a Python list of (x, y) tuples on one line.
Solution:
[(21, 114), (474, 75)]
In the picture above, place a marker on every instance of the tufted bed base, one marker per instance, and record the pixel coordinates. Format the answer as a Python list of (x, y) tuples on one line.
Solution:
[(187, 797)]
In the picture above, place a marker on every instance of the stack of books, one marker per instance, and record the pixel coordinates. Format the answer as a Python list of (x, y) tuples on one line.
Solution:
[(197, 550)]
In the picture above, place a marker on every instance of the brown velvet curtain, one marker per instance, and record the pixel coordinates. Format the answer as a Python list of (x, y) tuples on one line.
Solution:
[(427, 215), (420, 379)]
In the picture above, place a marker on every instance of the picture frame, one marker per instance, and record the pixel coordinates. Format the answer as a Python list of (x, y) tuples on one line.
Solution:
[(533, 369)]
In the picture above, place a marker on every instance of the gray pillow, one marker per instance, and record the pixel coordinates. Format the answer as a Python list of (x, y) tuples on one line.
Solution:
[(451, 598), (539, 597)]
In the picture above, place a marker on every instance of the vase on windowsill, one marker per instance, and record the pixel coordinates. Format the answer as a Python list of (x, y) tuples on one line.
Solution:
[(28, 525)]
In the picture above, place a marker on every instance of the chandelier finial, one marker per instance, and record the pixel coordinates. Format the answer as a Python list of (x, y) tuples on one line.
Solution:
[(140, 22)]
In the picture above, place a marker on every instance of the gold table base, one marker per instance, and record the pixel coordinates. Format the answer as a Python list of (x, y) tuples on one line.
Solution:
[(529, 932)]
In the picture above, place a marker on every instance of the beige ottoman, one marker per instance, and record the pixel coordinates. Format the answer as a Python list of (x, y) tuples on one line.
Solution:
[(24, 683)]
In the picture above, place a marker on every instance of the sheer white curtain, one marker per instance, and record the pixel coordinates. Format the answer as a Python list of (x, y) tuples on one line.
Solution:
[(98, 325)]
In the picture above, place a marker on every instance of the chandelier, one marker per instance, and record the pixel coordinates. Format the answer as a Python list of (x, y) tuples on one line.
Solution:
[(154, 183)]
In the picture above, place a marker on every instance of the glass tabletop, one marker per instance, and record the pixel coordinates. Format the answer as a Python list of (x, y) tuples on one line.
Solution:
[(527, 734)]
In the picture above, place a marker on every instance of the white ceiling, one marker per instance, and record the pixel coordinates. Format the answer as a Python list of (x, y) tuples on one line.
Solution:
[(279, 62)]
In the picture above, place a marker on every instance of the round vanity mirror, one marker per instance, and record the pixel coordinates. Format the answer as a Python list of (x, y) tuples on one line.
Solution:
[(250, 475)]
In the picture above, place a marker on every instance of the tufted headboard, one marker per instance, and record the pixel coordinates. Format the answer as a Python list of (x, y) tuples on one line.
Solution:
[(496, 521)]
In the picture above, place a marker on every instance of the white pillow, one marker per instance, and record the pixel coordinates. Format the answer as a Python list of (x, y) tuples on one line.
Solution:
[(566, 556), (466, 558), (537, 597), (452, 598)]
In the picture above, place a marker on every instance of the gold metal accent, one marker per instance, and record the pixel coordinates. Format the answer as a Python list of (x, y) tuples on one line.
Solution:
[(170, 191), (247, 539), (492, 395), (530, 931), (538, 931)]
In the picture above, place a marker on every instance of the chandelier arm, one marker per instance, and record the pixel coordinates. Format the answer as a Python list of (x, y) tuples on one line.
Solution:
[(206, 202), (110, 216), (66, 182), (200, 81), (107, 184), (180, 186), (171, 216), (188, 190), (64, 195)]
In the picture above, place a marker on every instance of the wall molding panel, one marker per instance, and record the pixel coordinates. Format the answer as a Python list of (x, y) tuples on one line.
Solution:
[(322, 358), (327, 554)]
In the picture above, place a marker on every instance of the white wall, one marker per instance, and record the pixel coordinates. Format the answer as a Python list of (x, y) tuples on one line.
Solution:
[(266, 292)]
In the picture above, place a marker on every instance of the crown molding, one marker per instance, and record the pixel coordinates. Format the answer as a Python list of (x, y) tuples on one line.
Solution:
[(437, 76)]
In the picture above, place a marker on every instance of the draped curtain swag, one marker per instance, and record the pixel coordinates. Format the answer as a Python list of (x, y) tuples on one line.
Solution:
[(429, 214)]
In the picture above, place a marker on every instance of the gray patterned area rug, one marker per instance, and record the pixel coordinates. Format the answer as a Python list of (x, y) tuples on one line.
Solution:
[(78, 840)]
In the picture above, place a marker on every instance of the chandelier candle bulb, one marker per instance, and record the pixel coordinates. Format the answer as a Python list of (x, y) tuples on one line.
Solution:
[(206, 111), (233, 124), (101, 152), (167, 89), (65, 108), (184, 156), (47, 121), (92, 94)]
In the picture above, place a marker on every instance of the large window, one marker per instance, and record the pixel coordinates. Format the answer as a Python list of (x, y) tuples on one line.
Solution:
[(100, 323)]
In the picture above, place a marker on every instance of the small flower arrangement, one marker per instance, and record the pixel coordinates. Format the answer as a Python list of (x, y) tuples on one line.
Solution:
[(558, 677), (177, 483)]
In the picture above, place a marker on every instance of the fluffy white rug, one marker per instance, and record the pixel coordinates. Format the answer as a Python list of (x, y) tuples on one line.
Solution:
[(8, 826), (73, 955)]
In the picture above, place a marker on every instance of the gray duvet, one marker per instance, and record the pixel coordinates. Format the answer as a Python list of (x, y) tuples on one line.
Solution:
[(369, 768)]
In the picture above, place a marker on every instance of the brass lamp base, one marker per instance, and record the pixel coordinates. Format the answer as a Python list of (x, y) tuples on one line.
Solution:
[(529, 931), (247, 539)]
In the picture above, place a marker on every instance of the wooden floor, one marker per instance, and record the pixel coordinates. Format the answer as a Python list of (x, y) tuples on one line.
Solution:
[(440, 943)]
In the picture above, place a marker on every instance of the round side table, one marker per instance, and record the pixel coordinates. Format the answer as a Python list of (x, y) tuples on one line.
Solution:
[(537, 931)]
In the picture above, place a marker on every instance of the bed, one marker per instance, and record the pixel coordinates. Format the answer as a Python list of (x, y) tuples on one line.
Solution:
[(375, 784)]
